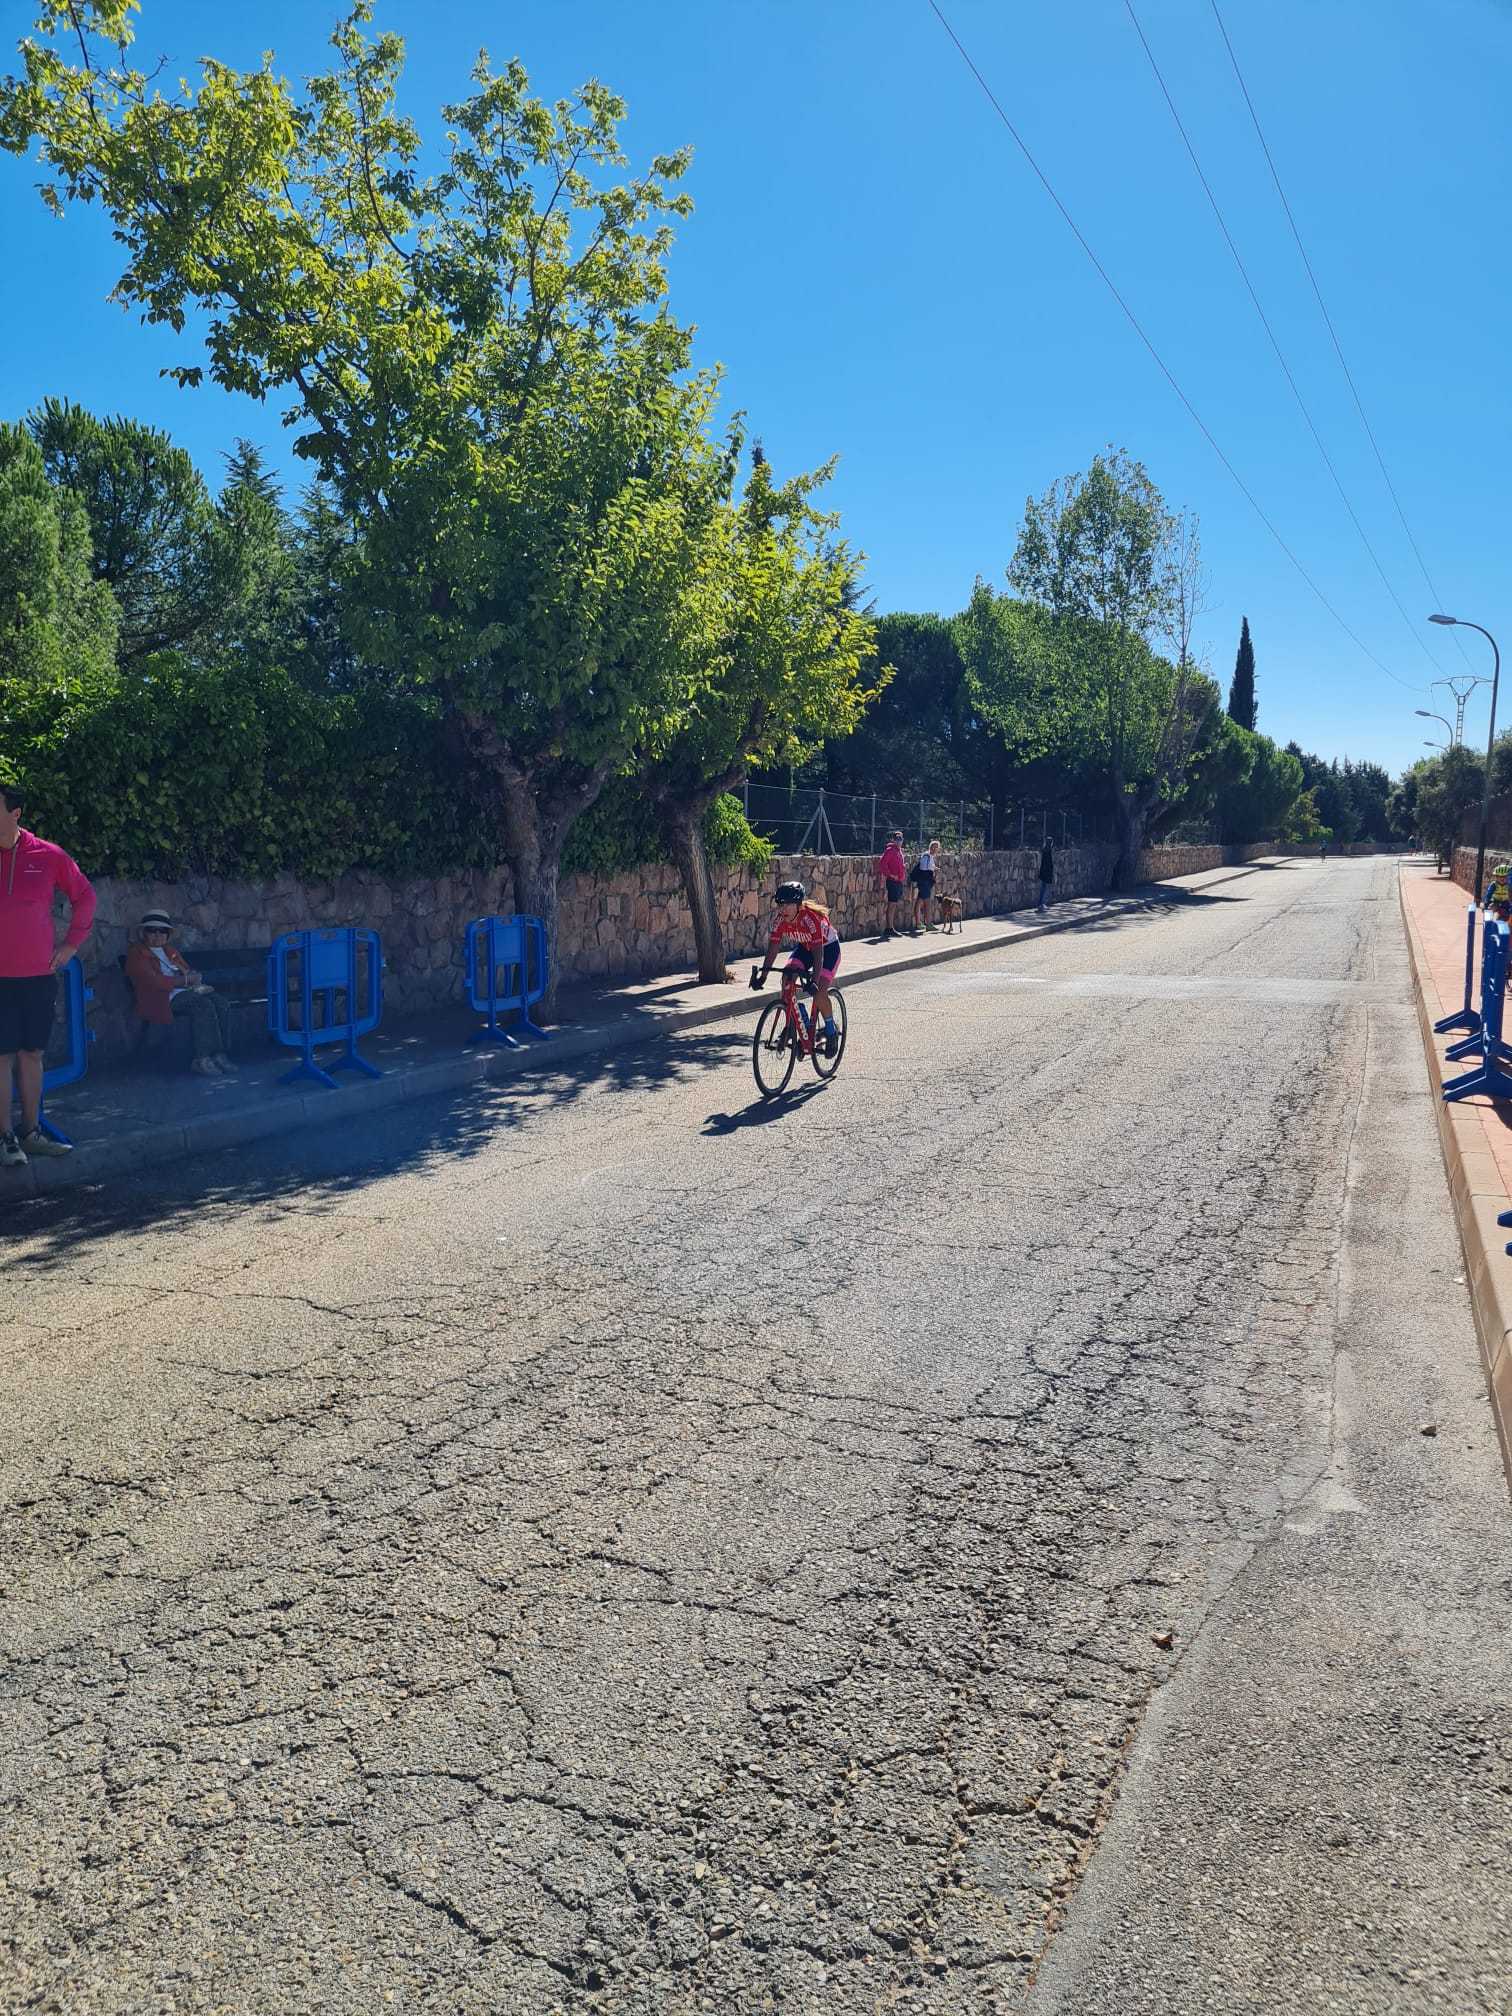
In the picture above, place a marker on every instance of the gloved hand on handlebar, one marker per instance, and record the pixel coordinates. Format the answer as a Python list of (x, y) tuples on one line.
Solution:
[(757, 978)]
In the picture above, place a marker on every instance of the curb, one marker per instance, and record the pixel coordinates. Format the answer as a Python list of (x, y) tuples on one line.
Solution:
[(144, 1146), (1477, 1191)]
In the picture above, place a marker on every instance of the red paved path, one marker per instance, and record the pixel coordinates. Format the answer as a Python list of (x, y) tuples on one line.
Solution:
[(1438, 907)]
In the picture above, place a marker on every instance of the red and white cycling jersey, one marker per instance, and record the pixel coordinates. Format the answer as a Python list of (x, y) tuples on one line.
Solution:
[(810, 928)]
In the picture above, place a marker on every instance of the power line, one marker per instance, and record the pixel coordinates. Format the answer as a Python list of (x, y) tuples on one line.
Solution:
[(1354, 391), (1413, 629), (1160, 362)]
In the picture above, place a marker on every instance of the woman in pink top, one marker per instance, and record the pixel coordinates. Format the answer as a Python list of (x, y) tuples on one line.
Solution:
[(32, 871)]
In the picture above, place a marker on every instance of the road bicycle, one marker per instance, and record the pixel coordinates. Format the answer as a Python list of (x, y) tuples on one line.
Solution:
[(786, 1030)]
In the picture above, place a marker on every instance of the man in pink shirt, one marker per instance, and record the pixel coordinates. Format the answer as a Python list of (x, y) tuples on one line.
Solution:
[(892, 872), (32, 871)]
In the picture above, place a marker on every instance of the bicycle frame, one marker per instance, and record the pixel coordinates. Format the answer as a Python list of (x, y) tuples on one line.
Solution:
[(791, 984)]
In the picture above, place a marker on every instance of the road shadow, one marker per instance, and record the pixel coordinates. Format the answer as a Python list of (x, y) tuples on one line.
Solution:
[(315, 1169), (764, 1112), (1136, 915)]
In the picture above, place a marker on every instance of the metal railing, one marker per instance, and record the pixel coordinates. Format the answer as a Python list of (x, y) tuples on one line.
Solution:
[(814, 820)]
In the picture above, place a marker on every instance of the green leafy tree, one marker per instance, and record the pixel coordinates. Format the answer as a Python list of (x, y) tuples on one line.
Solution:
[(1116, 570), (260, 574), (1241, 701), (918, 737), (1447, 787), (325, 565), (1302, 826), (1332, 792), (1021, 684), (57, 623), (1253, 787), (1369, 788), (781, 650), (180, 570), (1402, 806), (1219, 773), (479, 358)]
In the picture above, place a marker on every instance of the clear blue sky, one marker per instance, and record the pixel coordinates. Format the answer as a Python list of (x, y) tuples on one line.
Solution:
[(882, 277)]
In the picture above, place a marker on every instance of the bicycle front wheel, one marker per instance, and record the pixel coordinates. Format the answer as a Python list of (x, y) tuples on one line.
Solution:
[(828, 1066), (773, 1053)]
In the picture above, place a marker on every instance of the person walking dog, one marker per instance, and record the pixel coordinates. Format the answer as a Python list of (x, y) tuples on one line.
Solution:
[(32, 872), (924, 872), (1046, 873)]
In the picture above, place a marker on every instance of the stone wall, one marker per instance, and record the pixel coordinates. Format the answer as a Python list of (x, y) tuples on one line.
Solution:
[(634, 924), (1162, 864), (1462, 868)]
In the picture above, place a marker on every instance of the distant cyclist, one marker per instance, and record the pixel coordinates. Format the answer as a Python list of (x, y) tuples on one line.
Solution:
[(806, 926)]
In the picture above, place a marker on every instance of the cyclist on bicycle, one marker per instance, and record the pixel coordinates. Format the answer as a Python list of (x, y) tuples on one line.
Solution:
[(806, 926)]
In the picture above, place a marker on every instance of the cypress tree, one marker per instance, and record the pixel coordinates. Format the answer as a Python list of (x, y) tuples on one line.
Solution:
[(1241, 704)]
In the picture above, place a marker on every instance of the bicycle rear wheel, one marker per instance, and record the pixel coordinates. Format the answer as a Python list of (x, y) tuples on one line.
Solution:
[(773, 1053), (828, 1066)]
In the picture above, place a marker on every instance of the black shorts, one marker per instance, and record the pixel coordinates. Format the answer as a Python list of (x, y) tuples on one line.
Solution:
[(26, 1012), (894, 891), (926, 887), (801, 960)]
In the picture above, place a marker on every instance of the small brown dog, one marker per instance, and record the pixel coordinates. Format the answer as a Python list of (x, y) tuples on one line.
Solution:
[(950, 913)]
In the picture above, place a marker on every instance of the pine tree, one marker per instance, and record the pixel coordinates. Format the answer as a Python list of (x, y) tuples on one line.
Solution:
[(56, 623), (1241, 704)]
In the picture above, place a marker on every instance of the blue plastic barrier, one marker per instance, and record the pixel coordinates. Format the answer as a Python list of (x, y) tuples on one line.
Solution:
[(304, 964), (505, 959), (1489, 1077), (1474, 1045), (1465, 1017), (76, 997)]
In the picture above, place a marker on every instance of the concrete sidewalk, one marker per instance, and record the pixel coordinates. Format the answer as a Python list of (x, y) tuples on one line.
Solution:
[(130, 1118), (1475, 1134)]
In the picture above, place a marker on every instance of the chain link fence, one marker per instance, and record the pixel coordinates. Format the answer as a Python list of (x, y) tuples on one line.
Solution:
[(813, 820)]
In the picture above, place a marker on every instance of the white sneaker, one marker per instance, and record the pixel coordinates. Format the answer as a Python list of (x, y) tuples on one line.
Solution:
[(12, 1154), (38, 1143)]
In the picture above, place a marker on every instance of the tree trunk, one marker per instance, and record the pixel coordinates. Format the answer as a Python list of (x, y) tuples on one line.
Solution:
[(685, 841), (1129, 812), (537, 820), (533, 849)]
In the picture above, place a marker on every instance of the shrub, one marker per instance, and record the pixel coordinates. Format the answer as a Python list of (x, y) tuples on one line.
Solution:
[(621, 831), (166, 768)]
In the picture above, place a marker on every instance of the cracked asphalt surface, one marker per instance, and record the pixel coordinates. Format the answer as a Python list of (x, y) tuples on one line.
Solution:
[(600, 1546)]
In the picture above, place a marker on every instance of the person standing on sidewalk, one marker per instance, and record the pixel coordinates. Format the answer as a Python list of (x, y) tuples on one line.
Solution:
[(924, 883), (1046, 873), (892, 874), (32, 871)]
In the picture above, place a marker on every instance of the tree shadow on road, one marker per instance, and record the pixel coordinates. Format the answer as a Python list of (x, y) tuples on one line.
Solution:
[(313, 1169)]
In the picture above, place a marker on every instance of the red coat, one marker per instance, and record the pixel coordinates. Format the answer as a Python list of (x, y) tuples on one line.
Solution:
[(151, 985)]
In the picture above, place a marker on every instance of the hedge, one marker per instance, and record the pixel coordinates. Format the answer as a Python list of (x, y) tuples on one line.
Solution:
[(167, 769)]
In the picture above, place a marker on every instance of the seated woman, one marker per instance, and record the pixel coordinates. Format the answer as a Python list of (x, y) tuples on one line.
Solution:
[(166, 986)]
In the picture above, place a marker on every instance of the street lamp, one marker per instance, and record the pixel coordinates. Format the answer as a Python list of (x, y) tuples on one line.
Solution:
[(1480, 855), (1434, 717), (1437, 745)]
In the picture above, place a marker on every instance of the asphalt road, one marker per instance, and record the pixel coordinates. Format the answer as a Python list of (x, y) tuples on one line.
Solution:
[(959, 1541)]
